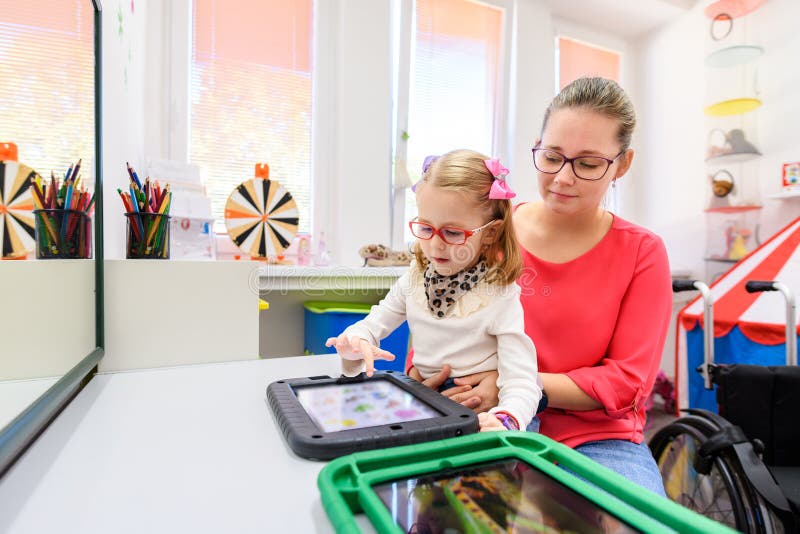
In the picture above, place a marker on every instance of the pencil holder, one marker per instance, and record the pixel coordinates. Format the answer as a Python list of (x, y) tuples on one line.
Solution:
[(147, 236), (62, 234)]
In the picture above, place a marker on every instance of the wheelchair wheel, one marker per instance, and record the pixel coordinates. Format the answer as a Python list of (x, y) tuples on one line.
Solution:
[(714, 495), (760, 517), (724, 494)]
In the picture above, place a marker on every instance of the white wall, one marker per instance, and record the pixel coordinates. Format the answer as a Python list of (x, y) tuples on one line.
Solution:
[(669, 194), (774, 25), (359, 203), (532, 87), (672, 189)]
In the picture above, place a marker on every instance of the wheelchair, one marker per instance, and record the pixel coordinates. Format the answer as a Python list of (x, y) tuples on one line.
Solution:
[(740, 467)]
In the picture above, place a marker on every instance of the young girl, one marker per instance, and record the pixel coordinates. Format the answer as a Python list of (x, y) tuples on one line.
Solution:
[(459, 295)]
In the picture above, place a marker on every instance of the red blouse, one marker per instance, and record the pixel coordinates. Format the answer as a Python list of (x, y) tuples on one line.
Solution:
[(602, 319)]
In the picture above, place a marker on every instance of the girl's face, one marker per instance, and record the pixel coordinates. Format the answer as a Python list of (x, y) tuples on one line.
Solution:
[(576, 132), (441, 207)]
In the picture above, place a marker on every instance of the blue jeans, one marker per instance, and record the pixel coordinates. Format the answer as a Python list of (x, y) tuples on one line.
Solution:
[(634, 462)]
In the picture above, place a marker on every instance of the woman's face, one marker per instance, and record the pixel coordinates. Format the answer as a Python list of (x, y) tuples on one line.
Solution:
[(573, 133)]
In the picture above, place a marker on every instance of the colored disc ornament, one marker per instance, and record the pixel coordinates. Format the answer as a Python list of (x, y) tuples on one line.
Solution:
[(261, 217), (16, 210)]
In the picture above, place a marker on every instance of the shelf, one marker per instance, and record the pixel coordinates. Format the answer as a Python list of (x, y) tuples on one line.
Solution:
[(721, 260), (735, 106), (732, 8), (282, 278), (785, 195), (733, 157), (733, 55), (732, 209)]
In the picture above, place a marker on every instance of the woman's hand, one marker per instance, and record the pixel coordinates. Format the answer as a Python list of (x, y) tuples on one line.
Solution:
[(481, 393), (354, 348), (477, 391), (435, 382)]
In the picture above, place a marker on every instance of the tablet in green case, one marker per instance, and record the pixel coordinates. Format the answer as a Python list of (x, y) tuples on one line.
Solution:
[(323, 417), (494, 482)]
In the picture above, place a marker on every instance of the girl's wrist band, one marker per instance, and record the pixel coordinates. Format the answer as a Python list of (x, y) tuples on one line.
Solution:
[(508, 420)]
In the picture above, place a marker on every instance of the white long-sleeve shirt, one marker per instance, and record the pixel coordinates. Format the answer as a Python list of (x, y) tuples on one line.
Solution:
[(484, 331)]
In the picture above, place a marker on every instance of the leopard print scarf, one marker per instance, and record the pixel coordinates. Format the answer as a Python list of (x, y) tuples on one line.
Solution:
[(443, 291)]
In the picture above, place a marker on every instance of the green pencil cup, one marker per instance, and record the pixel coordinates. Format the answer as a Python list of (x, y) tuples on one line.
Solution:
[(62, 234), (147, 236)]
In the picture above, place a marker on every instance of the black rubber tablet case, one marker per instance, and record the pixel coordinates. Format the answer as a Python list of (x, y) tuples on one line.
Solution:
[(309, 441)]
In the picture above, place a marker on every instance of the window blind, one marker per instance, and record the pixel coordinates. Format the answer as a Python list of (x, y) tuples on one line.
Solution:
[(251, 97), (47, 83)]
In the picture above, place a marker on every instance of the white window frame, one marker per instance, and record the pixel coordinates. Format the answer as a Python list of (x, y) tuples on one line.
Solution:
[(404, 9)]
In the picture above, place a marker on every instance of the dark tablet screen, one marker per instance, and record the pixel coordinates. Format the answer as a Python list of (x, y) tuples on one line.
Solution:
[(507, 496), (335, 407)]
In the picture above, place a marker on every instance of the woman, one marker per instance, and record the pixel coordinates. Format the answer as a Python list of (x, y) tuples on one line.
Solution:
[(595, 290)]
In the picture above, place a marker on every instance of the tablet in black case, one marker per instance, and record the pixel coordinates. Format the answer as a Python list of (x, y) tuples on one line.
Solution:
[(324, 418)]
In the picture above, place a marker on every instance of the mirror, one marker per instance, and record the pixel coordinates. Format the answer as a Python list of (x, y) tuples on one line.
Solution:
[(49, 108)]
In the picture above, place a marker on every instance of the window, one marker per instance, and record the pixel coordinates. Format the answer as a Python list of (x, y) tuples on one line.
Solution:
[(575, 59), (251, 97), (47, 89), (453, 77)]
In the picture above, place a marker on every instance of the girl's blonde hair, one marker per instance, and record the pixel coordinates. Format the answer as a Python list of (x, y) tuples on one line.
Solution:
[(465, 171), (601, 95)]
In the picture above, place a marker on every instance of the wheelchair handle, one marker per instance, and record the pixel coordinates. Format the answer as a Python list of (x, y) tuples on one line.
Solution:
[(708, 324), (683, 285), (756, 286)]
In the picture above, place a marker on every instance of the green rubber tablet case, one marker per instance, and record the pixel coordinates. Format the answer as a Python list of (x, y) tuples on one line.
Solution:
[(494, 482)]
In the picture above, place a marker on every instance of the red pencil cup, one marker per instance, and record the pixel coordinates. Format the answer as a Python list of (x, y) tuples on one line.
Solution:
[(62, 234), (147, 236)]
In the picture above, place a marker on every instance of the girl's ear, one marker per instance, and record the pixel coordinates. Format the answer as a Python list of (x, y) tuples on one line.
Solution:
[(491, 232)]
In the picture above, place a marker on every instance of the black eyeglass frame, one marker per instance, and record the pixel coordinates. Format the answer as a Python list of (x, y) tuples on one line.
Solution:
[(571, 161)]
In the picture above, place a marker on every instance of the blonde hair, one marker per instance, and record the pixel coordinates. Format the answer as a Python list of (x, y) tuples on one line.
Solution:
[(464, 171), (601, 95)]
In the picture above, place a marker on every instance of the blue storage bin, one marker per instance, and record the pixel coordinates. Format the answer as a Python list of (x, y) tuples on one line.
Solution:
[(329, 319)]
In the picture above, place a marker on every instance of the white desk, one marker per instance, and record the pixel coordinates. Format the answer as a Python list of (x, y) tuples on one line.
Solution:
[(183, 449)]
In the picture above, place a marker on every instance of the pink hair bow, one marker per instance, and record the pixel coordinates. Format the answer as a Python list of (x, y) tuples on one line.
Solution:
[(500, 189)]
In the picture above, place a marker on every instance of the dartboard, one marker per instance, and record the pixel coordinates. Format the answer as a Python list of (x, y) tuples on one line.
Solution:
[(261, 217), (16, 209)]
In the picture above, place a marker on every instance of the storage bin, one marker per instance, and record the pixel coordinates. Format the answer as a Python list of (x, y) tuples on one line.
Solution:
[(329, 319)]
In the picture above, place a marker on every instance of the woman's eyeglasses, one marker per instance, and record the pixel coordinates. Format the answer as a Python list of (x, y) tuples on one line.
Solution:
[(449, 234), (585, 167)]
